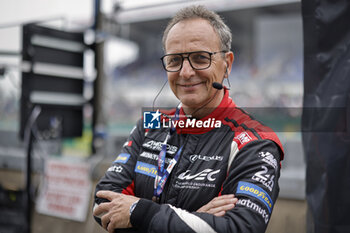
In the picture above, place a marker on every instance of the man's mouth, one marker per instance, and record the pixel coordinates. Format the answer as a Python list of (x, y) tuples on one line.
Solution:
[(189, 85)]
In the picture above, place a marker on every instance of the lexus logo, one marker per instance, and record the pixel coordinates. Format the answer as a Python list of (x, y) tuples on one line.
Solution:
[(193, 158)]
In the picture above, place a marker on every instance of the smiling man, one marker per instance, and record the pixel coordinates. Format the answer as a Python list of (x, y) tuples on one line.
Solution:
[(189, 177), (207, 62)]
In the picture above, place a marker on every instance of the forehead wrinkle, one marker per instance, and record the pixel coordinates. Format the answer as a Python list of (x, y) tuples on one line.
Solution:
[(200, 35)]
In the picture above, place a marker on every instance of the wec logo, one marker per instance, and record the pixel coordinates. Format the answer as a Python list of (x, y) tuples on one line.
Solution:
[(206, 173)]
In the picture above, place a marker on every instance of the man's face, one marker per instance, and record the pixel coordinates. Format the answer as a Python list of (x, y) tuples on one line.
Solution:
[(194, 87)]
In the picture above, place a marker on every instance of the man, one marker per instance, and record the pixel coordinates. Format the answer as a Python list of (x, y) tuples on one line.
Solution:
[(186, 177)]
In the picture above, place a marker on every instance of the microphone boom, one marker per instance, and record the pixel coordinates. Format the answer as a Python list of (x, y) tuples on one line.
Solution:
[(217, 85)]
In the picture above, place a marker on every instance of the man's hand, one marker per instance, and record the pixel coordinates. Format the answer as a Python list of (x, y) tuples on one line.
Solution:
[(115, 214), (219, 205)]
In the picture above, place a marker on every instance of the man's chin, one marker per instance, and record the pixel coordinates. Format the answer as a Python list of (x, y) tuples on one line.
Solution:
[(191, 103)]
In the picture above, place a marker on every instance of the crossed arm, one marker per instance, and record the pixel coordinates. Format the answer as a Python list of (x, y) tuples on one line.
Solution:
[(250, 214), (116, 213)]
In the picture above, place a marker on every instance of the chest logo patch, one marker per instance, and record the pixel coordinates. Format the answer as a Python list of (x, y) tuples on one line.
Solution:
[(208, 174)]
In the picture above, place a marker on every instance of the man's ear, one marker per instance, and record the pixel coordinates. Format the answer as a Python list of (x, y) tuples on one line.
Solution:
[(229, 57)]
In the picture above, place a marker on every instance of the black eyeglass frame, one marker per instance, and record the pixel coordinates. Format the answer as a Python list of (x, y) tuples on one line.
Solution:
[(189, 61)]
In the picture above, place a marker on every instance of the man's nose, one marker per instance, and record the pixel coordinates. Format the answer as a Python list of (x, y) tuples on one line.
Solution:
[(186, 70)]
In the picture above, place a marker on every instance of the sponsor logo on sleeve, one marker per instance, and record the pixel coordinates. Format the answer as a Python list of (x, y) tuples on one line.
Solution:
[(268, 158), (127, 143), (256, 192), (264, 178), (122, 158), (257, 208), (243, 137), (115, 168), (146, 169)]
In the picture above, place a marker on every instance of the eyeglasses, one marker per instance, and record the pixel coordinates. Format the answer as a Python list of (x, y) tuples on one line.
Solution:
[(199, 60)]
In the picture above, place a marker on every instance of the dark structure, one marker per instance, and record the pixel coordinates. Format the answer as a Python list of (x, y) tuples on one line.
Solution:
[(52, 98), (53, 77), (326, 117)]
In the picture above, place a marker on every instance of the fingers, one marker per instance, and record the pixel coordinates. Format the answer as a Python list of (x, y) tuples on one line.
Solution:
[(109, 195), (101, 209), (110, 227), (203, 209), (220, 214), (221, 210), (225, 197), (222, 201), (115, 213), (219, 205), (105, 220)]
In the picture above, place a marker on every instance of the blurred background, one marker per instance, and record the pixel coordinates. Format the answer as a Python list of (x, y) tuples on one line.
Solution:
[(93, 65)]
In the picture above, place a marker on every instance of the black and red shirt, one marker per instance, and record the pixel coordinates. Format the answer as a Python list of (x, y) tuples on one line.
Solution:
[(240, 157)]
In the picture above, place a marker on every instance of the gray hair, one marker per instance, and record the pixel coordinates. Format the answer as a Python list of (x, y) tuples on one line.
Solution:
[(213, 18)]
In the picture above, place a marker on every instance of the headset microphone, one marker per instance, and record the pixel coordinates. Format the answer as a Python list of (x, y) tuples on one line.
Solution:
[(218, 86)]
